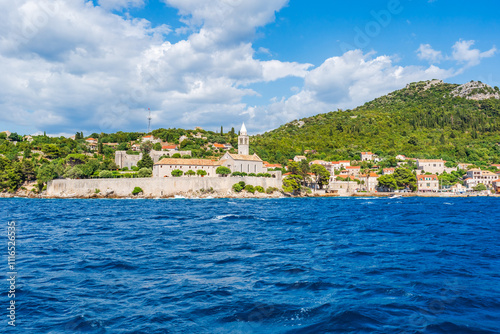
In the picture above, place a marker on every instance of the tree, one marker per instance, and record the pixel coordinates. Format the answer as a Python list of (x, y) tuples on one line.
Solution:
[(190, 172), (222, 170), (176, 156), (480, 187), (52, 151), (250, 188), (405, 178), (145, 162), (292, 183), (177, 173), (145, 172), (321, 174), (237, 187), (100, 148), (387, 181), (157, 147), (146, 147), (201, 172), (221, 131)]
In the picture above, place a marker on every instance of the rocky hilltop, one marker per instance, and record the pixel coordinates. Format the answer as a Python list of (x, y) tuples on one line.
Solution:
[(476, 90)]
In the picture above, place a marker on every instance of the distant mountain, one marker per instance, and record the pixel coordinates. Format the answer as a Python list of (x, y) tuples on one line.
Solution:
[(429, 119)]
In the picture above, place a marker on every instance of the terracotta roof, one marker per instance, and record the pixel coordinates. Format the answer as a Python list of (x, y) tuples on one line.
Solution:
[(90, 139), (430, 160), (147, 136), (422, 177), (219, 145), (366, 153), (169, 147), (268, 165), (353, 167), (341, 161), (245, 157), (346, 176), (192, 162), (374, 175)]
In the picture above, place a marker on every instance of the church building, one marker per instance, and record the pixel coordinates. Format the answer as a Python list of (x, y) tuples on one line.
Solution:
[(241, 162)]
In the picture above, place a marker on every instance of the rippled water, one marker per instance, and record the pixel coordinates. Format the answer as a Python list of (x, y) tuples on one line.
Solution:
[(256, 266)]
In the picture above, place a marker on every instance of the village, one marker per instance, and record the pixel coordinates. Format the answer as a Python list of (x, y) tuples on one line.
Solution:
[(319, 177)]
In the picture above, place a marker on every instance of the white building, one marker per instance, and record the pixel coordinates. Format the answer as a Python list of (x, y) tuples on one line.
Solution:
[(430, 166), (368, 156), (299, 158), (476, 176), (164, 167), (427, 183)]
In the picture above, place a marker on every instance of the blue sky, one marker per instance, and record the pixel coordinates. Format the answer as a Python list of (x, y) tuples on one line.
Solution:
[(96, 66)]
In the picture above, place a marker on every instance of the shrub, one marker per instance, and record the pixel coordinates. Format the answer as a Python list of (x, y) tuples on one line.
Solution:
[(176, 156), (135, 168), (125, 169), (259, 189), (106, 174), (250, 188), (222, 170), (201, 172), (145, 172), (137, 190), (97, 191), (270, 190), (243, 174), (237, 187), (236, 174), (242, 184), (252, 174), (190, 172), (177, 173)]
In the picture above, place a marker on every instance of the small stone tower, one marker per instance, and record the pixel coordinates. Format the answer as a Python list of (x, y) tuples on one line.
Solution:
[(243, 141)]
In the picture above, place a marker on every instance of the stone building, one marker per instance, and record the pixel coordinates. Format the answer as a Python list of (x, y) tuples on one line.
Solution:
[(430, 166), (122, 159), (164, 167)]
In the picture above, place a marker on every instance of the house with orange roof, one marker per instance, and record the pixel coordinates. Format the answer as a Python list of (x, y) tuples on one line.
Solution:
[(91, 143), (268, 165), (496, 186), (299, 158), (169, 147), (387, 171), (427, 183), (353, 170), (368, 156)]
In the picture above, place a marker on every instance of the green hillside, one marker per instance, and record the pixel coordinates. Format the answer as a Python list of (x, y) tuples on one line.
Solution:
[(420, 121)]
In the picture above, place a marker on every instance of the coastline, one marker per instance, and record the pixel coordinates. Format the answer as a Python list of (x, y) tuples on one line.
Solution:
[(231, 194)]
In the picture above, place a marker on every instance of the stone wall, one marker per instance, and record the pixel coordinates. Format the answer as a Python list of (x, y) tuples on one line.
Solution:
[(155, 187), (122, 159)]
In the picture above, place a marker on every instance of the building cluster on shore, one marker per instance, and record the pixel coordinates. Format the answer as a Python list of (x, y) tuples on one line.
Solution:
[(349, 177)]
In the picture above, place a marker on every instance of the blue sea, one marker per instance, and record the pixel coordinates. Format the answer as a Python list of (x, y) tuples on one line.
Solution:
[(331, 265)]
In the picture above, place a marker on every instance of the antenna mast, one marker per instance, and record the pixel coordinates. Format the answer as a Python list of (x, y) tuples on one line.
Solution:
[(149, 120)]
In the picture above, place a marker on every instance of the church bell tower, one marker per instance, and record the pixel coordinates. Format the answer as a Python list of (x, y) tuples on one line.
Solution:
[(243, 141)]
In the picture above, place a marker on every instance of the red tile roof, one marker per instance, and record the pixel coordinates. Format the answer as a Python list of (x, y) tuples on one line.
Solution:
[(169, 147), (422, 177)]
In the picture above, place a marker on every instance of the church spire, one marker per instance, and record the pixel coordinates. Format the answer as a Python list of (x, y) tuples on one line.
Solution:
[(243, 141), (243, 130)]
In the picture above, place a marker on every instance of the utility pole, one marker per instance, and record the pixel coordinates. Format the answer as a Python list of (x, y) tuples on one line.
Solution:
[(149, 120)]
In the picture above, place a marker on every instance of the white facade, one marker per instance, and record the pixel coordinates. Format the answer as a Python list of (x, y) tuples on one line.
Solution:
[(243, 163), (476, 176), (164, 167), (431, 165), (427, 183)]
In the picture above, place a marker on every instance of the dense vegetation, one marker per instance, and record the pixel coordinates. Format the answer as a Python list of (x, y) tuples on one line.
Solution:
[(415, 121)]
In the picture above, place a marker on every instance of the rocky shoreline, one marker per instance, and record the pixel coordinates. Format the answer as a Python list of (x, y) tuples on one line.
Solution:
[(229, 194)]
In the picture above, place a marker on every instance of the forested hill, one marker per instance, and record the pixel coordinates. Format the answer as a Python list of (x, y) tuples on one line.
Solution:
[(428, 119)]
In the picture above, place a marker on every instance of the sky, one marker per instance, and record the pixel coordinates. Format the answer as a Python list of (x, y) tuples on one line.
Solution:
[(98, 66)]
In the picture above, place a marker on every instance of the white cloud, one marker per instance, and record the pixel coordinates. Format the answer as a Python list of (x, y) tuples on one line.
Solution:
[(70, 66), (426, 52), (120, 4), (463, 53), (344, 82)]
